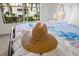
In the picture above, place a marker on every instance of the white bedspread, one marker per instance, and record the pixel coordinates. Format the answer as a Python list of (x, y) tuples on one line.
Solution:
[(63, 48)]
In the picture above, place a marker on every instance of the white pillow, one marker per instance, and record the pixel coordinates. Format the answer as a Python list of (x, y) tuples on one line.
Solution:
[(74, 19)]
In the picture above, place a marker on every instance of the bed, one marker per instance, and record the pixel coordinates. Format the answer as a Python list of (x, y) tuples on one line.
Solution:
[(67, 36)]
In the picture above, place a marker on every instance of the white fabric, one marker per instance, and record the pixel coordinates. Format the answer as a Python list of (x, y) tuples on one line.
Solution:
[(68, 11), (63, 48), (74, 19)]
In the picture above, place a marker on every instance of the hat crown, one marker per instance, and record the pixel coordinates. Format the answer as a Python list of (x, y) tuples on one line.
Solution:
[(39, 31)]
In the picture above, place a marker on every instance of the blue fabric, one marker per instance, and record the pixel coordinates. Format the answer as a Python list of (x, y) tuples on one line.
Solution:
[(67, 31), (68, 35)]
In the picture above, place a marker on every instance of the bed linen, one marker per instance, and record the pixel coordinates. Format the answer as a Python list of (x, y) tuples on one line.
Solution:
[(67, 36)]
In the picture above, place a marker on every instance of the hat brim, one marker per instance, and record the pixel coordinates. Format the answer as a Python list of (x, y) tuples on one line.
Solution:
[(39, 46)]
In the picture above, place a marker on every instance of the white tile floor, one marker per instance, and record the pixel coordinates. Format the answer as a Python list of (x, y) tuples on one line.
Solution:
[(4, 40)]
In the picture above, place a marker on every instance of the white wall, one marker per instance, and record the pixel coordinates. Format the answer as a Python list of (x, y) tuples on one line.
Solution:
[(6, 28), (47, 10)]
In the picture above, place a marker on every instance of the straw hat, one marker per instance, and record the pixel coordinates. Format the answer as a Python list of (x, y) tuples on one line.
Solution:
[(39, 40)]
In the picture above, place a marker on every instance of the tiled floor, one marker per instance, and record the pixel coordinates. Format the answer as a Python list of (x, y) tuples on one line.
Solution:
[(4, 40)]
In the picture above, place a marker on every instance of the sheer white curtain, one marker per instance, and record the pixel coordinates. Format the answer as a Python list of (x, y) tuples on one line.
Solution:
[(47, 10), (74, 19), (59, 15), (68, 11)]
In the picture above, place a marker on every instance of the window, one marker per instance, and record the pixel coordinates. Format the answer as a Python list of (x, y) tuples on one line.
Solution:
[(19, 9), (18, 12), (20, 16)]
